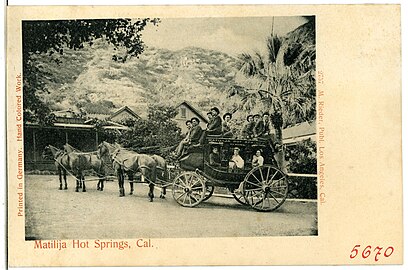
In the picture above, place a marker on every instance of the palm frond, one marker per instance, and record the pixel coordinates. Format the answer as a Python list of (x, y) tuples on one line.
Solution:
[(274, 44)]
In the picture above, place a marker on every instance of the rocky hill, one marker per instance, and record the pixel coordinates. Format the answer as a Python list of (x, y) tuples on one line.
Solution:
[(91, 80)]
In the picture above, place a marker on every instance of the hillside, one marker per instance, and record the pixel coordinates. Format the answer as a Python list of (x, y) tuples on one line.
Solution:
[(91, 80)]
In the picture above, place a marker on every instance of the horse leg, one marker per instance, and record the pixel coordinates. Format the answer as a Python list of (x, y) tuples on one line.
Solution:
[(151, 194), (101, 175), (83, 183), (100, 182), (131, 183), (163, 193), (65, 179), (60, 178), (120, 182), (77, 183)]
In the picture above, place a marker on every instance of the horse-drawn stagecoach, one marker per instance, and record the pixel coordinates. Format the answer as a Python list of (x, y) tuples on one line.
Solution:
[(194, 177), (264, 187)]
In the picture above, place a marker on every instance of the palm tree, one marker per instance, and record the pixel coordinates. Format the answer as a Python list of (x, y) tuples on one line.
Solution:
[(283, 80)]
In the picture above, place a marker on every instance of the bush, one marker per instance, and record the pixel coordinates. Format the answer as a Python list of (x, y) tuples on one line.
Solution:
[(301, 158), (157, 132)]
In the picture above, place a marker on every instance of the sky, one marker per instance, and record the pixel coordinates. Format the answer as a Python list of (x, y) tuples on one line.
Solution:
[(230, 35)]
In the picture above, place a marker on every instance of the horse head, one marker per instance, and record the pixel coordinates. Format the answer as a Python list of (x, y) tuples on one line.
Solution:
[(69, 148), (47, 154), (51, 152), (105, 149)]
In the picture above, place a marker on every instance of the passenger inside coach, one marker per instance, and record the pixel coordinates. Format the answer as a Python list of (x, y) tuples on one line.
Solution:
[(236, 162), (257, 159), (215, 159)]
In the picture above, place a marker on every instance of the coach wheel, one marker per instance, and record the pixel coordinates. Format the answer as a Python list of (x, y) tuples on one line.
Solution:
[(189, 189), (239, 196), (265, 188), (209, 190)]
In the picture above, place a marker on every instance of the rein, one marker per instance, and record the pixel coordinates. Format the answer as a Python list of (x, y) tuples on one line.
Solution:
[(92, 179)]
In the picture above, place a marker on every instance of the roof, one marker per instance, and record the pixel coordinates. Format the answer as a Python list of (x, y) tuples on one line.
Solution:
[(99, 116), (300, 130), (194, 110), (81, 126), (124, 108)]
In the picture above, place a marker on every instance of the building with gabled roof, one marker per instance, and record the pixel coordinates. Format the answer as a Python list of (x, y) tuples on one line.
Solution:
[(70, 127), (186, 111), (123, 113)]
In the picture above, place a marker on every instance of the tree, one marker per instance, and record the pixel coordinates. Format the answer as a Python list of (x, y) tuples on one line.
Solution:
[(50, 37), (156, 134), (283, 80)]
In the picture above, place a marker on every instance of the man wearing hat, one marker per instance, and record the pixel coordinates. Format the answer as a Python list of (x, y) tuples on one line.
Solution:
[(256, 120), (262, 128), (214, 126), (226, 129), (196, 130), (210, 117), (247, 130), (236, 161), (194, 136)]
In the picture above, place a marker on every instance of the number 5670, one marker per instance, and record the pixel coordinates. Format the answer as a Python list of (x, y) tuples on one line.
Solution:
[(368, 251)]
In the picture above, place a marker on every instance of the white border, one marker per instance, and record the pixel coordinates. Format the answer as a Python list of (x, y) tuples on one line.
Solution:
[(404, 24)]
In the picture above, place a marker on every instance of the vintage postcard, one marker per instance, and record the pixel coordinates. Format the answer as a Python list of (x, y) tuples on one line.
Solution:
[(204, 135)]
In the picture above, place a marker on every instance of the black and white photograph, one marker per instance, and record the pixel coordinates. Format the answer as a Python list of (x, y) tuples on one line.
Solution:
[(169, 127)]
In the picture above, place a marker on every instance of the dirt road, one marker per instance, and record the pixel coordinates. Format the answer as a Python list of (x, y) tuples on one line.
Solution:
[(66, 214)]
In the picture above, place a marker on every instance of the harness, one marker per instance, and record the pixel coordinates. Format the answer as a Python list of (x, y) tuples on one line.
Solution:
[(61, 153), (121, 162)]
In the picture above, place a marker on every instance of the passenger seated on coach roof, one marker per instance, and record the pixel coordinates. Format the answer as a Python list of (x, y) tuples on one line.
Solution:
[(189, 126), (210, 117), (226, 128), (262, 129), (186, 139), (256, 119), (214, 126), (194, 136), (247, 131)]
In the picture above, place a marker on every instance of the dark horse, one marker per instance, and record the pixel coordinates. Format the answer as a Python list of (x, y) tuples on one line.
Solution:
[(51, 152), (93, 162), (129, 162), (67, 161)]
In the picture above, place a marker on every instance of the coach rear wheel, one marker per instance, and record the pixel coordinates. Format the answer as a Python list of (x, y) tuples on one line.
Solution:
[(189, 189), (265, 188), (209, 190), (239, 196)]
